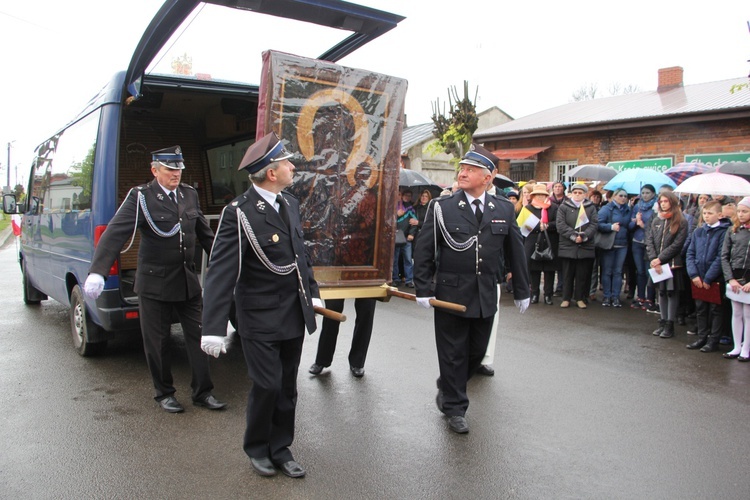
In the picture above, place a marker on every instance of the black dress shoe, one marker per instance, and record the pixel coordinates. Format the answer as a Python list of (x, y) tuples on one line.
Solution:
[(292, 469), (486, 370), (315, 369), (171, 405), (357, 372), (209, 402), (535, 299), (697, 344), (548, 300), (744, 359), (729, 355), (458, 424), (263, 466)]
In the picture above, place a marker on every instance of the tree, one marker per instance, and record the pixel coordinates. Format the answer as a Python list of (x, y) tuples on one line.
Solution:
[(19, 191), (454, 131)]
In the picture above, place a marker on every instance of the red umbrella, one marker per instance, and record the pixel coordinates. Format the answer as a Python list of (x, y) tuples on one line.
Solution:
[(683, 171)]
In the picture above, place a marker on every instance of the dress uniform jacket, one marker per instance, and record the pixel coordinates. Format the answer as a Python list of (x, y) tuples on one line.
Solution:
[(466, 277), (166, 266), (267, 303)]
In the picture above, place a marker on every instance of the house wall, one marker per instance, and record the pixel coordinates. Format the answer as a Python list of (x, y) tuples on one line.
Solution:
[(675, 141)]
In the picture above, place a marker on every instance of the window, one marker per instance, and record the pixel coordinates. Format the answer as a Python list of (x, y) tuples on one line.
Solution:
[(522, 171), (64, 170), (558, 169), (226, 181)]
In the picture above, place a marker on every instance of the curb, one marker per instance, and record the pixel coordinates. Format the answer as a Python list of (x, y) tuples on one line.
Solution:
[(5, 235)]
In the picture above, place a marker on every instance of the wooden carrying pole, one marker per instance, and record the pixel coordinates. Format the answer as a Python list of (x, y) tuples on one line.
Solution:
[(393, 291), (327, 313)]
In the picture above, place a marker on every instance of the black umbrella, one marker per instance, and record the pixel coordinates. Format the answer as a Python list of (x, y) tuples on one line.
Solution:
[(416, 181), (502, 182), (738, 168), (592, 172)]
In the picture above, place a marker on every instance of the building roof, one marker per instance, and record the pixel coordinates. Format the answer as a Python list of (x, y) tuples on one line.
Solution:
[(686, 102), (417, 134)]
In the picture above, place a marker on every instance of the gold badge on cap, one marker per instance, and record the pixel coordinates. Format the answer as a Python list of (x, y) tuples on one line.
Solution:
[(275, 238)]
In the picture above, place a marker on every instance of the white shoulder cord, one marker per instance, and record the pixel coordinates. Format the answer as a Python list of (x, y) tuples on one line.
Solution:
[(452, 243), (280, 270)]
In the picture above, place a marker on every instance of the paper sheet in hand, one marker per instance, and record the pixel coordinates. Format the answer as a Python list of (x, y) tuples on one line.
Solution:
[(743, 297), (529, 224), (666, 273)]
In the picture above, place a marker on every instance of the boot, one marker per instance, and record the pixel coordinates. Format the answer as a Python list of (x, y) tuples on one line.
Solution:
[(660, 330), (668, 330), (712, 344), (700, 342)]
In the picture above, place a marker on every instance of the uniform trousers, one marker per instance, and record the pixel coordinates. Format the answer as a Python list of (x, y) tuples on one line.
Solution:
[(365, 309), (461, 345), (272, 402), (156, 321)]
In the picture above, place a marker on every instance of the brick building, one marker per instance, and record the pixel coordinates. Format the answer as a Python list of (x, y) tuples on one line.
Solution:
[(672, 123)]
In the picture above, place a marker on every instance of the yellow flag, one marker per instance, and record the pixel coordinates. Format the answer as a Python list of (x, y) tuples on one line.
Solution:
[(582, 217)]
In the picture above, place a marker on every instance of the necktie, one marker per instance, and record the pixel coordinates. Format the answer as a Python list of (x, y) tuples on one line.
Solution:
[(172, 196), (478, 211), (282, 209)]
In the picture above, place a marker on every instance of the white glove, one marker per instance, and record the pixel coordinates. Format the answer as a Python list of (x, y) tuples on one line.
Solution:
[(424, 301), (94, 285), (317, 302), (213, 345), (522, 305)]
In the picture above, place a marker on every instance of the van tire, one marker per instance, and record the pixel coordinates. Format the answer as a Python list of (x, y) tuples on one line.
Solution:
[(31, 296), (82, 328)]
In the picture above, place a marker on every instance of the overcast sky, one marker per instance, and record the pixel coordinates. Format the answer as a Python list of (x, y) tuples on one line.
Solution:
[(523, 56)]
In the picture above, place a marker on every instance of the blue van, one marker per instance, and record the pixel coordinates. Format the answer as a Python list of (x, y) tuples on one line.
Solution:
[(186, 85)]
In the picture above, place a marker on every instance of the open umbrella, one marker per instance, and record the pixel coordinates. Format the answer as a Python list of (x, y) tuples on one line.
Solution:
[(715, 183), (416, 181), (683, 171), (633, 179), (501, 182), (740, 168), (592, 172)]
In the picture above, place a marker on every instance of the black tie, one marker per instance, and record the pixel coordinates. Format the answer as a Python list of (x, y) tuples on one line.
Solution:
[(172, 196), (478, 211), (282, 209)]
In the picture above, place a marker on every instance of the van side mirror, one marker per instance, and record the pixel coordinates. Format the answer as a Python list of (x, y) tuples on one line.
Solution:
[(9, 204)]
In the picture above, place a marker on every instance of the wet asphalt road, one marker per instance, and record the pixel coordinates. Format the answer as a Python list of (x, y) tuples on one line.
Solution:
[(585, 404)]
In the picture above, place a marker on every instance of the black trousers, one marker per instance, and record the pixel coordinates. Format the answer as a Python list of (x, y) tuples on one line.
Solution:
[(536, 280), (272, 401), (577, 272), (156, 321), (461, 345), (709, 318), (365, 309)]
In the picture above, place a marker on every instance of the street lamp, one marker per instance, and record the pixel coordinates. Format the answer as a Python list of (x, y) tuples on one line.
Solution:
[(7, 189)]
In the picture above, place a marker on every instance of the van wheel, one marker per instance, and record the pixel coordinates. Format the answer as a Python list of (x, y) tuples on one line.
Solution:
[(81, 327), (31, 296)]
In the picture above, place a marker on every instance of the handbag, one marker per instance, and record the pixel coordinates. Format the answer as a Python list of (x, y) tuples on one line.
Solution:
[(605, 241), (400, 237), (542, 253)]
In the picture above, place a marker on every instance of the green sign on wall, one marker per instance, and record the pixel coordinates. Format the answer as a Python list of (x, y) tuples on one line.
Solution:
[(716, 159), (660, 164)]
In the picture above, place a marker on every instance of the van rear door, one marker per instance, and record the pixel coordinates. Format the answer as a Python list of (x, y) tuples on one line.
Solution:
[(231, 40)]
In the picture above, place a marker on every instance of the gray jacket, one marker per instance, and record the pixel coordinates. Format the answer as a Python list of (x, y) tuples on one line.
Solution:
[(734, 253)]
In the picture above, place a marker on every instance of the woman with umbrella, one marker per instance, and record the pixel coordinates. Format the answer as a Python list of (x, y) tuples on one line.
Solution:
[(614, 217), (545, 231), (420, 209)]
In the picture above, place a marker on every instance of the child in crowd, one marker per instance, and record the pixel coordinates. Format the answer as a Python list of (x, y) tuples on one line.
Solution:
[(736, 269), (704, 269)]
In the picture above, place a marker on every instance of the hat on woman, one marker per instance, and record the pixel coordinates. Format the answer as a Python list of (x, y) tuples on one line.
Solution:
[(580, 186), (539, 189), (745, 201)]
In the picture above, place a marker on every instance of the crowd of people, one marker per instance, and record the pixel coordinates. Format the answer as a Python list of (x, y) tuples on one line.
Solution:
[(652, 251)]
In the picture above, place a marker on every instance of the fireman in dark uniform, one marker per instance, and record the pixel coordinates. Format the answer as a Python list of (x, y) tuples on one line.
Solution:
[(169, 217), (468, 240), (259, 261)]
